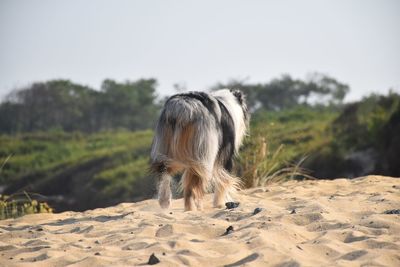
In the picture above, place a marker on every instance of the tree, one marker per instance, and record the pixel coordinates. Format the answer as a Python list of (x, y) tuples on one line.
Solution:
[(286, 92), (323, 84), (130, 105), (64, 105)]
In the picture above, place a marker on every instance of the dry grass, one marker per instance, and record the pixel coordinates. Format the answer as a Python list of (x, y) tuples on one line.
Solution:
[(263, 166), (20, 204)]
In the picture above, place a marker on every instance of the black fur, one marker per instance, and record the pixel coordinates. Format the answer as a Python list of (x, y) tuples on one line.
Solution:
[(163, 120), (227, 146), (240, 98)]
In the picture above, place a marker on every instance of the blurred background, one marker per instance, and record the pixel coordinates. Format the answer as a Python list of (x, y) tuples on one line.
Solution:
[(82, 84)]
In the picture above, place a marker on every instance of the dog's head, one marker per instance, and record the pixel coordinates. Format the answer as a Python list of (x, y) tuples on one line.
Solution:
[(239, 96), (241, 99)]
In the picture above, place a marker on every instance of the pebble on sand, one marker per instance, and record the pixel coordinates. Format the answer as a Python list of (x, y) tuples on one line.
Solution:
[(257, 210), (231, 205), (153, 260), (229, 230)]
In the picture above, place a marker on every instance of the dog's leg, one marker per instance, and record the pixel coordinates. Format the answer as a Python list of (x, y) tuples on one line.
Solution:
[(187, 190), (198, 192), (164, 190), (225, 186), (220, 196), (193, 190)]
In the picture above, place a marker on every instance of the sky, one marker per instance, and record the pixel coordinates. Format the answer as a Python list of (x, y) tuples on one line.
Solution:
[(200, 43)]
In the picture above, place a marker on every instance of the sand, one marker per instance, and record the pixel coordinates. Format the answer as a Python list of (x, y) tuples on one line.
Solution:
[(310, 223)]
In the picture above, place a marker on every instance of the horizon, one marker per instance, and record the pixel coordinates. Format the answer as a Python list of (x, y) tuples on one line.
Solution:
[(196, 45)]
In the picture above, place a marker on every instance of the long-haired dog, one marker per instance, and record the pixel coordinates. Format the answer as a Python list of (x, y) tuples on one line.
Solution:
[(199, 133)]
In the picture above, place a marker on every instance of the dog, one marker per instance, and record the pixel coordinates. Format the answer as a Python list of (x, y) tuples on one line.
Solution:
[(199, 134)]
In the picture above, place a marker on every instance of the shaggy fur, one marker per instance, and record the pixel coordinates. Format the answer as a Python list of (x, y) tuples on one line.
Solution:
[(199, 133)]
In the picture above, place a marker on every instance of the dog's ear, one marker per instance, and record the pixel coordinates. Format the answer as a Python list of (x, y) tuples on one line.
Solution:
[(239, 95)]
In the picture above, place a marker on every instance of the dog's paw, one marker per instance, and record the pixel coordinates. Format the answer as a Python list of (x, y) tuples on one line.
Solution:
[(165, 203), (218, 205)]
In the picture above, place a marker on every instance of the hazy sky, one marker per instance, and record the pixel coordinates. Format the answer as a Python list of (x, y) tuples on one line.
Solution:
[(199, 43)]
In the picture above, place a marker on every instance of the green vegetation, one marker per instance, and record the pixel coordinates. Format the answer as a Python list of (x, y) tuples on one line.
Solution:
[(17, 205), (285, 92), (359, 139), (63, 105), (366, 140), (80, 148), (79, 171), (281, 140)]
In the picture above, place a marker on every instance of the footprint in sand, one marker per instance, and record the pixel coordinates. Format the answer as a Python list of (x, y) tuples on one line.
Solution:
[(373, 244), (250, 258), (288, 264), (165, 231), (41, 257), (136, 246), (350, 238), (351, 256), (324, 226), (305, 219)]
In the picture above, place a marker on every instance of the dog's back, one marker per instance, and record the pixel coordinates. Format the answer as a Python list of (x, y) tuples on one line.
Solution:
[(184, 131)]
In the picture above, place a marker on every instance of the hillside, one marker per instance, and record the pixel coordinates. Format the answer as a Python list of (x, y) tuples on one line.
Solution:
[(77, 171)]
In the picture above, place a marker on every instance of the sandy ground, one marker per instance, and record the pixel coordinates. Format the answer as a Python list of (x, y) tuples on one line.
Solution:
[(311, 223)]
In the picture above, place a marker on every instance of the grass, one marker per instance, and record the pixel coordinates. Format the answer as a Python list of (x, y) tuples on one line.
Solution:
[(45, 152), (280, 143), (21, 204), (264, 167), (86, 171)]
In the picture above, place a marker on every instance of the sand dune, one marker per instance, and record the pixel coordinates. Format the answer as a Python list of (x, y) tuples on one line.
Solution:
[(312, 223)]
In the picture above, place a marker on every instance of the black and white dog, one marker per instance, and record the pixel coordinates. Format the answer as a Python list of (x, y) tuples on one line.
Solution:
[(199, 133)]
